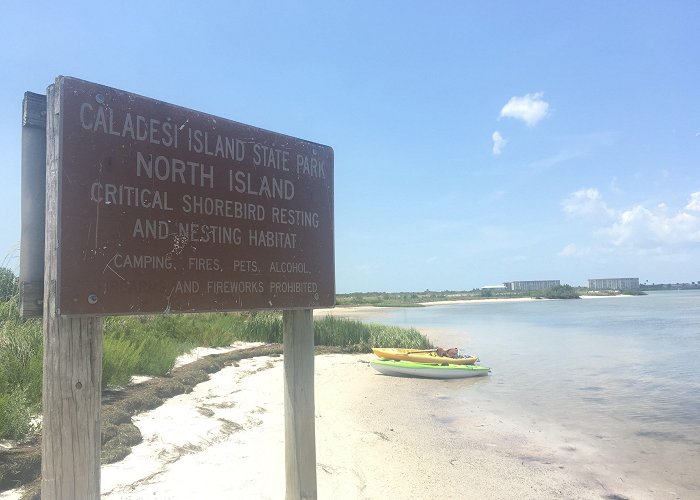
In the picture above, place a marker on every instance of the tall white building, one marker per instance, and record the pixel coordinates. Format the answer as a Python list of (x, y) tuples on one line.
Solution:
[(526, 286), (613, 284)]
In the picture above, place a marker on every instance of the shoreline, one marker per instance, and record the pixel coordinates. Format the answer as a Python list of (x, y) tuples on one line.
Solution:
[(371, 432), (225, 439), (361, 313), (513, 299)]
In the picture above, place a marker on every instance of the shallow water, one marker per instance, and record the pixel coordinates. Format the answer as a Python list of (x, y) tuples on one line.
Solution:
[(620, 375)]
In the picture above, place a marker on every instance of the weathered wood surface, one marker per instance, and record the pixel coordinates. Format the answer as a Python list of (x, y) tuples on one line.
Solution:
[(72, 380), (299, 413)]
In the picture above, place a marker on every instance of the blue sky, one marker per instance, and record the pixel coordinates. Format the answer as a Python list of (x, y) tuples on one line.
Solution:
[(475, 142)]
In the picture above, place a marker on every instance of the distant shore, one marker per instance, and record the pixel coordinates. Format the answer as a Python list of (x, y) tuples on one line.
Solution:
[(513, 299), (364, 311)]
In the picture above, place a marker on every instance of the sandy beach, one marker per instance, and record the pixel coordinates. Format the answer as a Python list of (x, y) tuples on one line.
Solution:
[(376, 437), (367, 312)]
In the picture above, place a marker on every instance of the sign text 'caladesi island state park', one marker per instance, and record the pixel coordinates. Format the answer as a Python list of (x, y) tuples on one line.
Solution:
[(163, 208)]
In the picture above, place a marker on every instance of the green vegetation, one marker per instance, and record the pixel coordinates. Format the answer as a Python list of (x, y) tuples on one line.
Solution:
[(418, 299), (561, 292), (149, 345), (384, 299), (693, 285), (356, 336), (403, 299), (21, 346), (8, 284)]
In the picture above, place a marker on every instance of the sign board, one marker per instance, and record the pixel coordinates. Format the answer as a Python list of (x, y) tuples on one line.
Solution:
[(163, 208)]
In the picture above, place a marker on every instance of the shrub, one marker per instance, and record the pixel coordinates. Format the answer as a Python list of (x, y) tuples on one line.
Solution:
[(561, 292), (21, 362), (8, 284), (15, 415)]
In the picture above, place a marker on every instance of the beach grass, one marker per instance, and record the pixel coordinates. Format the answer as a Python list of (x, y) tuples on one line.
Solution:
[(21, 351), (150, 345), (360, 337)]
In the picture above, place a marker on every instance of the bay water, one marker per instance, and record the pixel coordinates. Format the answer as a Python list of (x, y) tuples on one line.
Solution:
[(619, 375)]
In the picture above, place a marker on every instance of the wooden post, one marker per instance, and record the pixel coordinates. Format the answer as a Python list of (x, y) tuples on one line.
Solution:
[(70, 465), (299, 414), (31, 255)]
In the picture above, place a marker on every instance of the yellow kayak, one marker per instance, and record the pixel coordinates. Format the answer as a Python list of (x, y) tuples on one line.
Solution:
[(420, 356)]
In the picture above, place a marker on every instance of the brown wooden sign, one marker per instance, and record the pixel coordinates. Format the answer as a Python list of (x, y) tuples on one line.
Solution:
[(163, 208)]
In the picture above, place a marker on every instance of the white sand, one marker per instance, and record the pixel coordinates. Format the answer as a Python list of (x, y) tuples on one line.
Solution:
[(375, 314), (376, 437), (359, 312)]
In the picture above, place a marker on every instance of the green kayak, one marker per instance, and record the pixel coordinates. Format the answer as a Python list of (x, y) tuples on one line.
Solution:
[(426, 370)]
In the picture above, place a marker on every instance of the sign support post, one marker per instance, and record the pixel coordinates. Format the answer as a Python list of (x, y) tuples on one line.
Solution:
[(70, 464), (31, 263), (299, 414)]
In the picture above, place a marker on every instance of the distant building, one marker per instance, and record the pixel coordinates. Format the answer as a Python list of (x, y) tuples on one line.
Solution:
[(613, 284), (494, 287), (526, 286)]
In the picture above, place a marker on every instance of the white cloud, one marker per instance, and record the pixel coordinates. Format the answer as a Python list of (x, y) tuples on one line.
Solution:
[(642, 228), (639, 229), (586, 202), (498, 142), (530, 108), (694, 203)]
